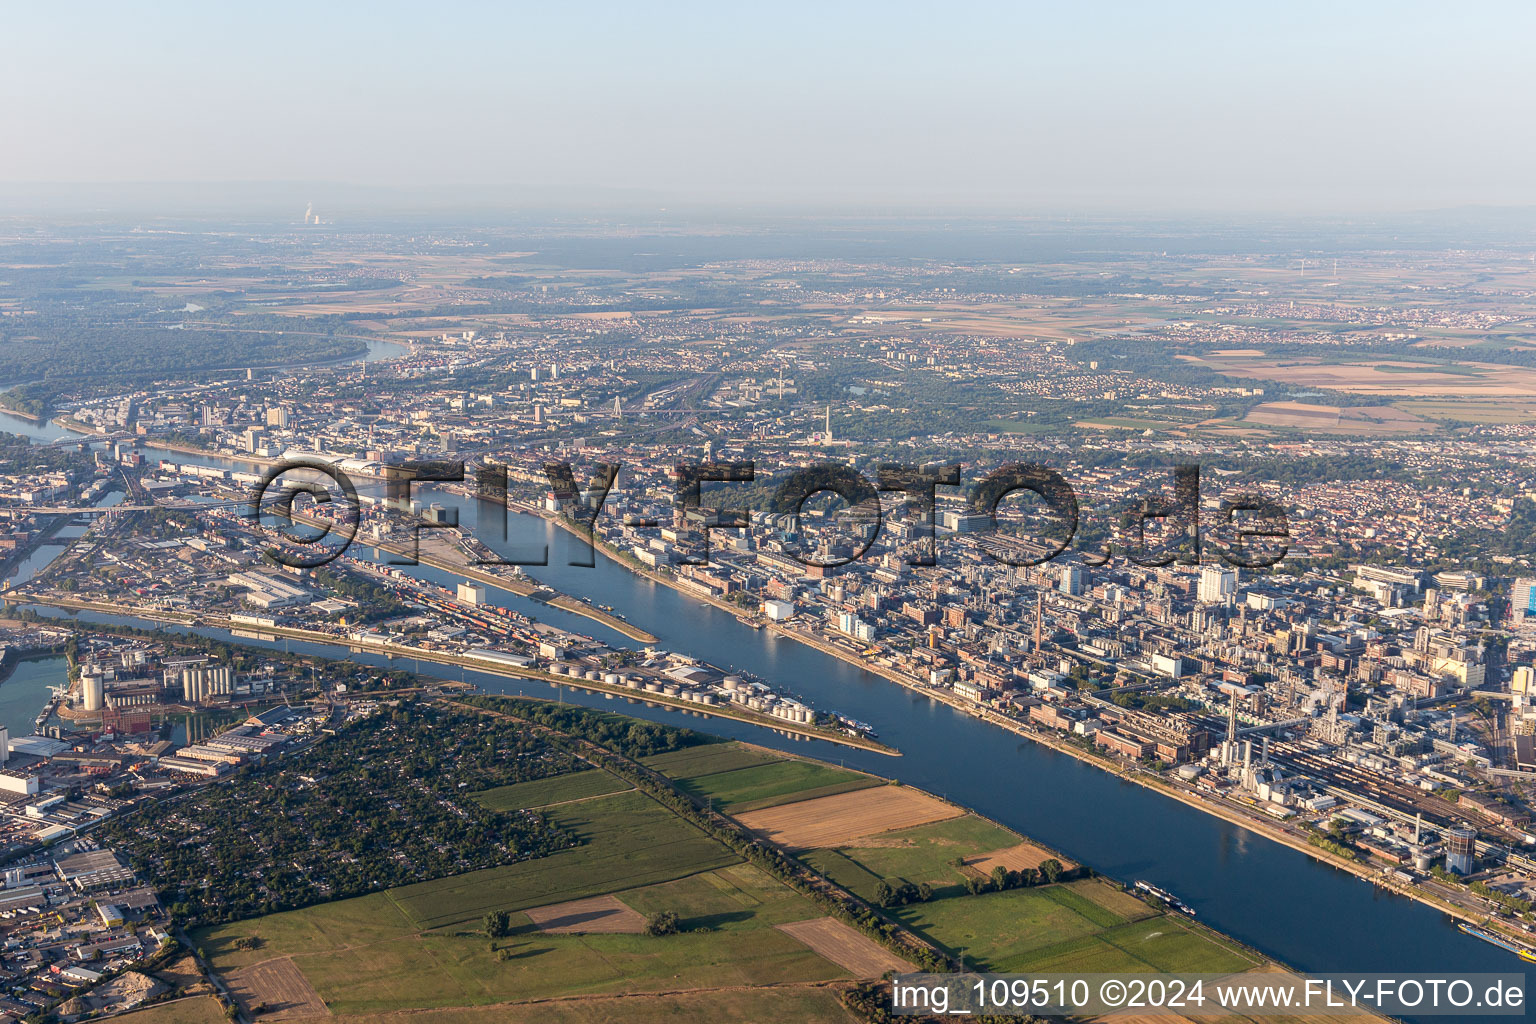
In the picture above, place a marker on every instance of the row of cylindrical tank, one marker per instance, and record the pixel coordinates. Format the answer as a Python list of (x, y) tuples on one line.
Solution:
[(576, 672), (768, 704), (636, 683), (738, 691)]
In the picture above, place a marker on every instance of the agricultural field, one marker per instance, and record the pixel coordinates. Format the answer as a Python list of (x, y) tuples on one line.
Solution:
[(1360, 419), (193, 1010), (808, 1004), (926, 853), (856, 953), (1015, 858), (709, 759), (442, 970), (769, 785), (845, 817), (1490, 412), (575, 923), (574, 928), (278, 987), (728, 918), (1368, 376), (627, 839), (1130, 423), (557, 790), (1063, 927), (1088, 924), (593, 915)]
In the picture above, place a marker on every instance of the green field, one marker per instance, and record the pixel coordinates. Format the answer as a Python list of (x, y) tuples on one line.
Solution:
[(779, 782), (797, 1005), (628, 840), (927, 853), (554, 790), (1067, 896), (324, 926), (1455, 369), (423, 948), (1161, 944), (845, 871), (728, 899), (194, 1010), (708, 760), (1065, 928), (440, 970), (365, 956), (1488, 411)]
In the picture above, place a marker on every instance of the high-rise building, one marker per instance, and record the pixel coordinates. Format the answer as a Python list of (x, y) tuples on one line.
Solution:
[(1522, 599), (855, 627), (1074, 580), (1523, 685), (1217, 585)]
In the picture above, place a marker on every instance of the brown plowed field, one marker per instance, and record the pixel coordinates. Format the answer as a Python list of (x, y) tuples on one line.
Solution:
[(857, 954), (594, 915), (842, 818), (280, 985)]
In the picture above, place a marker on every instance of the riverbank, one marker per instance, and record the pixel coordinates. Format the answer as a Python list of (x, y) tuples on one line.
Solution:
[(1216, 807), (393, 650), (160, 444), (520, 588), (8, 407), (14, 559)]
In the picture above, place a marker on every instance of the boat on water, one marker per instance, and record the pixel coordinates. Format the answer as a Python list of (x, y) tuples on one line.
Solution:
[(1166, 896), (1523, 952), (853, 725)]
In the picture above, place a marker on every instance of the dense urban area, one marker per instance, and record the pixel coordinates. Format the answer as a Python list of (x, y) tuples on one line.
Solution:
[(1248, 525)]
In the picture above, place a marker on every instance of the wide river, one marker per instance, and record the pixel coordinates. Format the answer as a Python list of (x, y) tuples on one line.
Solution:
[(1278, 900)]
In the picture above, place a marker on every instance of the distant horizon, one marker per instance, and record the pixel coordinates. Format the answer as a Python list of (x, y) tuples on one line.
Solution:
[(1191, 107), (358, 202)]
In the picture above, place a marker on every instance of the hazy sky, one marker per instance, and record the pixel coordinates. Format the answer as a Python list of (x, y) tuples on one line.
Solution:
[(1057, 106)]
